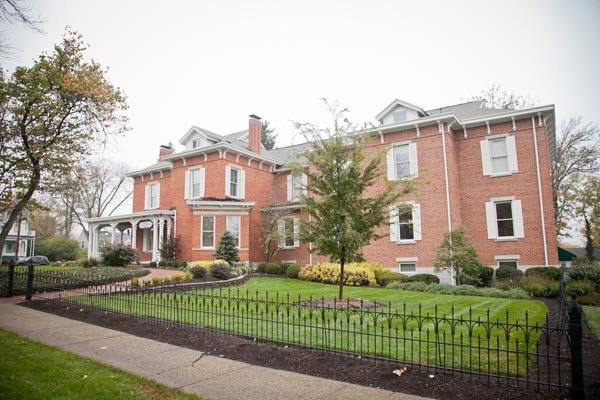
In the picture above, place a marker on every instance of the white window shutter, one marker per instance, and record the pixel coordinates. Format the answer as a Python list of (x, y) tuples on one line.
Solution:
[(281, 233), (147, 198), (290, 191), (416, 216), (227, 180), (304, 184), (490, 214), (517, 213), (157, 195), (393, 223), (414, 165), (202, 181), (485, 157), (187, 188), (242, 184), (511, 147), (391, 168), (296, 232)]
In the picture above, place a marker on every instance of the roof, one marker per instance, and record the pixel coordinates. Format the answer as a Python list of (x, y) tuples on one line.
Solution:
[(579, 252), (472, 109), (401, 103)]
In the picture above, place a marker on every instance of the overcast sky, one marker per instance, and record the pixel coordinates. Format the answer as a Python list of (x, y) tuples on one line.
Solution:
[(211, 63)]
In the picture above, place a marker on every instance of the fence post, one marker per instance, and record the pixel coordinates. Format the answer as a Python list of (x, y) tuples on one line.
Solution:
[(575, 332), (11, 278), (29, 281)]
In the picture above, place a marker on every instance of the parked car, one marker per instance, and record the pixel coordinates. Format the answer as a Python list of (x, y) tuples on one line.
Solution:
[(35, 260)]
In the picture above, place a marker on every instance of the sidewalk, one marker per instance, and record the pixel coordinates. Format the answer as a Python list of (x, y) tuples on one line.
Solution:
[(191, 371)]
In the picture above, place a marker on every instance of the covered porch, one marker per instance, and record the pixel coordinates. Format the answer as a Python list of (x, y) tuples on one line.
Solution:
[(143, 231)]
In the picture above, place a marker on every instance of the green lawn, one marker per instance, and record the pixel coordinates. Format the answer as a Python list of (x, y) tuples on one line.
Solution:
[(593, 317), (32, 370), (464, 332)]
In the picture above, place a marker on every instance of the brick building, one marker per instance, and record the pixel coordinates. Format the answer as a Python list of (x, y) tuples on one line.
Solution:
[(487, 170)]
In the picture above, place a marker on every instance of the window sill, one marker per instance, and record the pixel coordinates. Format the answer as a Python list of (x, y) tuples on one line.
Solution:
[(204, 248), (406, 242), (506, 239), (289, 248), (501, 174)]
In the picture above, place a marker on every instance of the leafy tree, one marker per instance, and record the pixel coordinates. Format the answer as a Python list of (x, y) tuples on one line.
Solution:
[(227, 249), (50, 115), (269, 230), (457, 254), (267, 137), (169, 249), (497, 97), (57, 248), (43, 223), (342, 218)]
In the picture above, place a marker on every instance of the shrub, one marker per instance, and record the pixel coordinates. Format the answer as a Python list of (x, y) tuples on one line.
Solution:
[(292, 271), (208, 263), (162, 263), (465, 279), (135, 282), (355, 274), (465, 290), (198, 271), (118, 256), (589, 299), (182, 265), (240, 269), (540, 287), (261, 267), (486, 274), (582, 288), (220, 271), (551, 273), (509, 273), (586, 270), (152, 264), (426, 278), (57, 248), (412, 286), (227, 249), (156, 281), (273, 268), (438, 288), (386, 277)]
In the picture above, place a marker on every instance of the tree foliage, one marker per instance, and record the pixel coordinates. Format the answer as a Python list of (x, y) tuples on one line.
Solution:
[(50, 114), (227, 249), (270, 235), (169, 249), (497, 97), (457, 254), (342, 217), (57, 248), (267, 137)]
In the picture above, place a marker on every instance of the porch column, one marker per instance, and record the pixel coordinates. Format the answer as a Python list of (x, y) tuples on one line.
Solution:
[(155, 241), (169, 228), (161, 224), (133, 234), (90, 240), (113, 234)]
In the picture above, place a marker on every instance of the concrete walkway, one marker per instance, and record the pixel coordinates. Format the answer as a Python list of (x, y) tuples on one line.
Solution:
[(191, 371)]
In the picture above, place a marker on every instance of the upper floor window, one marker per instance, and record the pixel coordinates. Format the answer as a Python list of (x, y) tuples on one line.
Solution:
[(195, 143), (194, 183), (296, 186), (499, 155), (405, 223), (288, 233), (399, 116), (402, 161), (235, 182), (233, 226), (504, 219), (152, 196)]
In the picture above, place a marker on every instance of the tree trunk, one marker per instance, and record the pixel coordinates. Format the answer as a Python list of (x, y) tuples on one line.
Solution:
[(341, 291)]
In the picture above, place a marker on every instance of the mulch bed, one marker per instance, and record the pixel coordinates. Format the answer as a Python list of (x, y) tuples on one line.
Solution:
[(417, 381)]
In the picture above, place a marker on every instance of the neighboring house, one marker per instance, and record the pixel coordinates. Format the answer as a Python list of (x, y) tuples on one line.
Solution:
[(487, 170), (566, 256), (24, 236)]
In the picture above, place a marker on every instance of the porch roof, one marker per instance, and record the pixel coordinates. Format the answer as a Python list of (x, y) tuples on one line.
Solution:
[(134, 216)]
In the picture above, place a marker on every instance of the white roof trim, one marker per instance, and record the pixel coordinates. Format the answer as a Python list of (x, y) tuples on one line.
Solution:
[(194, 130), (217, 147), (401, 103), (220, 205), (129, 217), (149, 170)]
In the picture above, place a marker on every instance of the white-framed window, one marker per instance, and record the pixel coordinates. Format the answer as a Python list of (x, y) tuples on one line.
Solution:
[(148, 243), (152, 196), (195, 143), (10, 247), (499, 155), (296, 186), (194, 183), (508, 263), (405, 223), (207, 230), (399, 116), (235, 182), (288, 233), (402, 161), (407, 264), (233, 226), (504, 218)]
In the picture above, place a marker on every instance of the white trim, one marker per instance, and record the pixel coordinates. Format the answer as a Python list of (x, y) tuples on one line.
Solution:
[(449, 214), (288, 261), (509, 257), (407, 259), (221, 205), (214, 231), (539, 181)]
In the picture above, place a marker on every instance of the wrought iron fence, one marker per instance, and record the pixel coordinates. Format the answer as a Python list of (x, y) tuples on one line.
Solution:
[(513, 349)]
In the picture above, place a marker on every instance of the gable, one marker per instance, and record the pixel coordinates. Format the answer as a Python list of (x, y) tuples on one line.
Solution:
[(399, 111), (197, 138)]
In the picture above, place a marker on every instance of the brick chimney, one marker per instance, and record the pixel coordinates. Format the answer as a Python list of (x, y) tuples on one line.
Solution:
[(165, 150), (254, 133)]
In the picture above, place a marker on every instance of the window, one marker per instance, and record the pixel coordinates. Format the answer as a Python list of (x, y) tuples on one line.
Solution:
[(208, 232), (402, 161), (152, 195), (288, 233), (407, 267), (235, 182), (405, 223), (195, 143), (10, 246), (508, 264), (148, 240), (504, 219), (399, 116), (499, 155), (194, 183), (233, 226), (296, 186)]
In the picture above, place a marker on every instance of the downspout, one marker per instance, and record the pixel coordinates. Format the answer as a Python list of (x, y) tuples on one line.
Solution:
[(441, 129), (539, 180), (310, 245)]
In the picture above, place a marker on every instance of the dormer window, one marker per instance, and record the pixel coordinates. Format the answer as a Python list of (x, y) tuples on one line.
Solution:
[(399, 116), (195, 143)]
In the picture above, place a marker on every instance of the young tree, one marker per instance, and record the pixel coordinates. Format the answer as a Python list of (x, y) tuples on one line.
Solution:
[(169, 249), (270, 234), (343, 216), (267, 137), (497, 97), (457, 254), (227, 249), (50, 114)]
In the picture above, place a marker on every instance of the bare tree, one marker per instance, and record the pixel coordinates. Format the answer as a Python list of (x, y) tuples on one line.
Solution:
[(13, 11), (497, 97), (270, 232)]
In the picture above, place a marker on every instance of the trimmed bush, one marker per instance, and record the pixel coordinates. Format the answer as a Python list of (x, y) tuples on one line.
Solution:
[(582, 288), (292, 271), (509, 273), (412, 286), (355, 274), (551, 273), (465, 279), (589, 299), (152, 264), (486, 275), (439, 288), (118, 256), (220, 271), (586, 270), (261, 267), (162, 263), (386, 277), (465, 290), (426, 278), (198, 271), (273, 268), (182, 265), (540, 287)]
